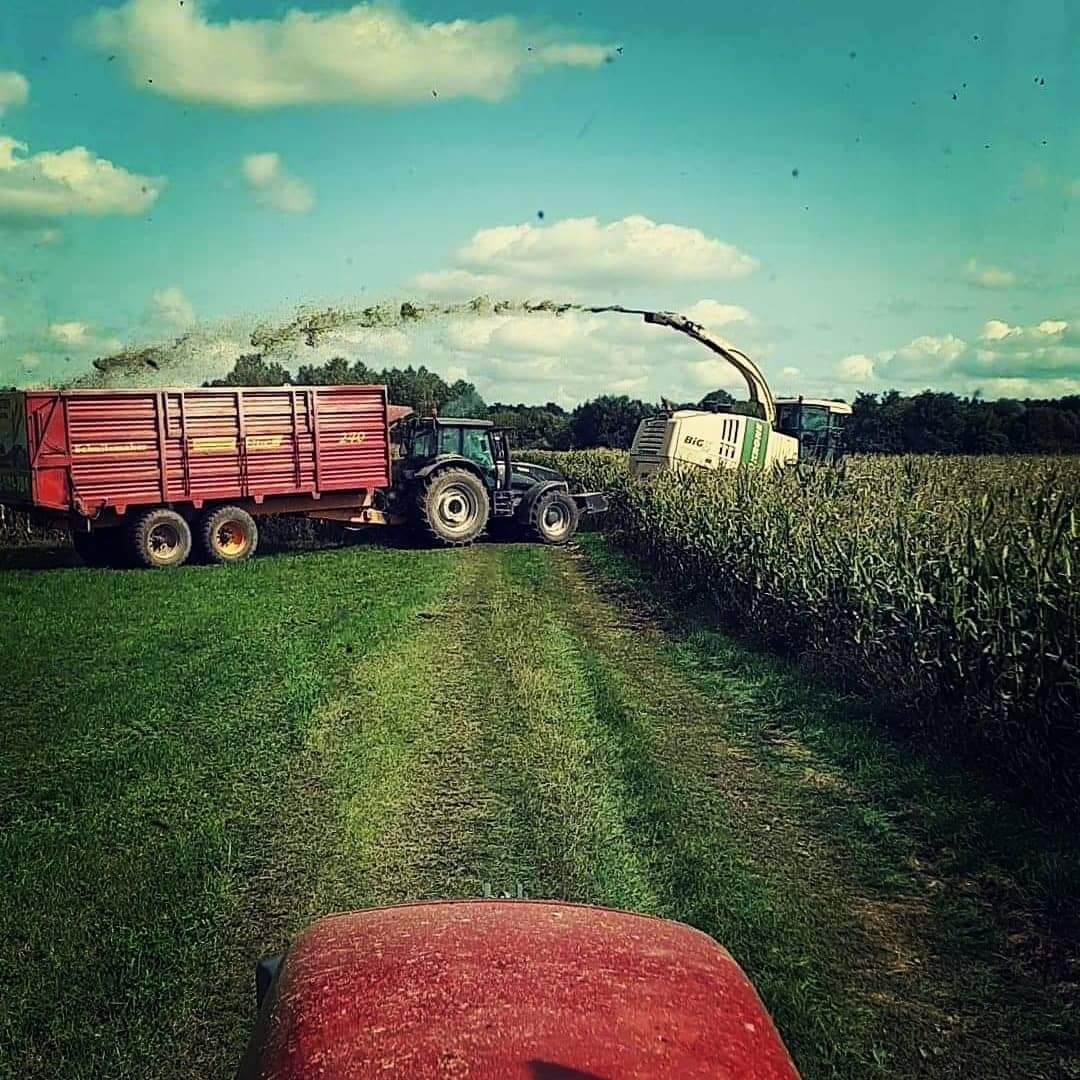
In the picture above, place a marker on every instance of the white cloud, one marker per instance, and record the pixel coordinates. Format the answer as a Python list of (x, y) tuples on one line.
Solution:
[(1038, 360), (583, 253), (713, 314), (171, 307), (69, 333), (996, 330), (790, 372), (926, 359), (383, 344), (274, 187), (1052, 326), (459, 284), (988, 277), (75, 181), (711, 373), (14, 90), (365, 53), (856, 368)]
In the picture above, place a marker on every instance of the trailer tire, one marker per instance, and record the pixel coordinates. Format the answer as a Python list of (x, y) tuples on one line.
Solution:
[(554, 517), (160, 539), (227, 534), (99, 548), (453, 507)]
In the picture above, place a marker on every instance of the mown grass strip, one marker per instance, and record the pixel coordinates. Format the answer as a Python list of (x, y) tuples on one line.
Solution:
[(466, 760)]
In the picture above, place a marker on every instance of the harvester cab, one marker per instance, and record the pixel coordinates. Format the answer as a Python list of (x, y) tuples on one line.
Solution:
[(454, 475), (818, 423), (786, 431)]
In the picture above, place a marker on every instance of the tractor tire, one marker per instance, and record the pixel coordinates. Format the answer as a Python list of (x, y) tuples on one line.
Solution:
[(227, 534), (453, 507), (160, 539), (554, 518), (101, 548)]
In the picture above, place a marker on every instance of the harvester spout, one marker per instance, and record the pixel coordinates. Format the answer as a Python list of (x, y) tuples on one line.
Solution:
[(755, 380)]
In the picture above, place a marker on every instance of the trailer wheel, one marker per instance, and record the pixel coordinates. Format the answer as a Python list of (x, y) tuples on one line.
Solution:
[(228, 535), (453, 507), (160, 538), (554, 517)]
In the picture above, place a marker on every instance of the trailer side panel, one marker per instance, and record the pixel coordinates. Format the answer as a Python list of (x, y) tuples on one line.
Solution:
[(92, 450)]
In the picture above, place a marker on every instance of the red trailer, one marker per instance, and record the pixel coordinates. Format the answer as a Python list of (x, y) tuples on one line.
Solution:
[(183, 465)]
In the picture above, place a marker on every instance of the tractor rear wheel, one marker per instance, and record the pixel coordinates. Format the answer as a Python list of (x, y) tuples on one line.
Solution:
[(554, 517), (227, 534), (453, 507), (160, 539)]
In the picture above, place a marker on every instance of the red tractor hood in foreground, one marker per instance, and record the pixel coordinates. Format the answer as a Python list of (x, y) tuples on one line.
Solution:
[(490, 988)]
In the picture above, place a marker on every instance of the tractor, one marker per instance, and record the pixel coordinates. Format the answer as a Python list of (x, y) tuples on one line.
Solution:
[(453, 477)]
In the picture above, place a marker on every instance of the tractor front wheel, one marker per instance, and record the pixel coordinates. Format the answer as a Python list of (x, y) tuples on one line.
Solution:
[(554, 517), (453, 507), (227, 535)]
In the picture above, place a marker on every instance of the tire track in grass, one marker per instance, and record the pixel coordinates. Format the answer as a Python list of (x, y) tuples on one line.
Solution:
[(555, 768), (720, 850), (851, 953), (406, 745)]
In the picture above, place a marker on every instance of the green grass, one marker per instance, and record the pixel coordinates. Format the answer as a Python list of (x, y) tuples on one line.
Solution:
[(193, 765), (149, 722)]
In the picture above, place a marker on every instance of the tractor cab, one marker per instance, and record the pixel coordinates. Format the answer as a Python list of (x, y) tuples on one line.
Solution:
[(427, 439), (818, 424)]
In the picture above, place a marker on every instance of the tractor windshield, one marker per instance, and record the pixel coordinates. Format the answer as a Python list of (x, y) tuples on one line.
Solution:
[(815, 418)]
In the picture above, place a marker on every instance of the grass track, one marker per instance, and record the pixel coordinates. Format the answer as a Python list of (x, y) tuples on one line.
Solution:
[(196, 764)]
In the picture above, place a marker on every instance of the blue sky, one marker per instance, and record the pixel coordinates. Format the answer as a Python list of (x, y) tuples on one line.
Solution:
[(859, 195)]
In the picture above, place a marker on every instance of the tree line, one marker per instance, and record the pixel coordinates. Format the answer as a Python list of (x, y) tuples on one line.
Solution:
[(934, 422)]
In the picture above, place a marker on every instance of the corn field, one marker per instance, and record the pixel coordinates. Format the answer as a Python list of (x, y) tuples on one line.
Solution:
[(946, 588)]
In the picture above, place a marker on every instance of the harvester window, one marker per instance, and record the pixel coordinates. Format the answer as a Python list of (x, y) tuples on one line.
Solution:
[(814, 418)]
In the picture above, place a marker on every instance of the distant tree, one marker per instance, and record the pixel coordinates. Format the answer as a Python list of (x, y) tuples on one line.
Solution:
[(608, 420), (933, 423), (533, 427), (253, 370), (335, 372), (715, 398), (464, 401), (418, 388)]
